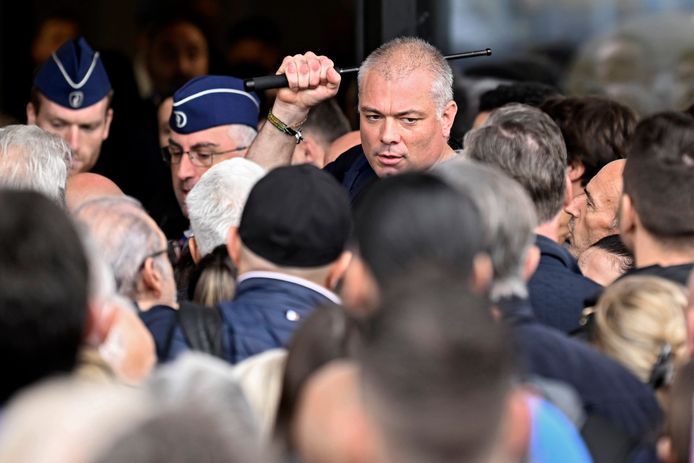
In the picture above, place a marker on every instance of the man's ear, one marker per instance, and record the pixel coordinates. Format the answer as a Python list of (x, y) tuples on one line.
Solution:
[(152, 280), (532, 260), (193, 248), (517, 425), (626, 216), (482, 272), (31, 114), (576, 170), (234, 245), (664, 450), (98, 323), (568, 191), (337, 270), (447, 118), (107, 123)]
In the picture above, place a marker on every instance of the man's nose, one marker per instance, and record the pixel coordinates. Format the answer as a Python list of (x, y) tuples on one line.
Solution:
[(186, 169), (72, 137), (389, 132)]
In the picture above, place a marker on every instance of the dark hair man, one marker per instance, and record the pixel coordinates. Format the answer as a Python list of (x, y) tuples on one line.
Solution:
[(656, 219)]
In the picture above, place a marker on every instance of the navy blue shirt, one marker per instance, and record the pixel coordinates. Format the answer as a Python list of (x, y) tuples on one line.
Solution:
[(557, 289), (353, 171)]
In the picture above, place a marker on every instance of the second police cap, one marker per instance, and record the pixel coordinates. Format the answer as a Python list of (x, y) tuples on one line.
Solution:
[(74, 76), (210, 101)]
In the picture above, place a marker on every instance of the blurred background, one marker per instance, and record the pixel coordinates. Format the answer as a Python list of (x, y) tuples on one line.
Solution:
[(640, 52)]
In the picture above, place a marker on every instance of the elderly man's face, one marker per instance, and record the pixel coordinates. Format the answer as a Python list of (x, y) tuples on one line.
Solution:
[(84, 129), (594, 212), (185, 174), (400, 127)]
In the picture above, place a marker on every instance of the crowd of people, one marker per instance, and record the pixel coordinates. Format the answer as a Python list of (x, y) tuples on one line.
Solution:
[(386, 294)]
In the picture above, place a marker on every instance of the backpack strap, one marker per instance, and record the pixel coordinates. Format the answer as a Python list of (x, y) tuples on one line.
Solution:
[(202, 327)]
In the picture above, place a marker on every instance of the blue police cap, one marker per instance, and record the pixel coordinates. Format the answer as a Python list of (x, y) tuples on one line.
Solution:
[(74, 76), (210, 101)]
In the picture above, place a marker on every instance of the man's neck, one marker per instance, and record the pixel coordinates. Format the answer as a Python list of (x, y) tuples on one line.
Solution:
[(649, 251), (549, 230)]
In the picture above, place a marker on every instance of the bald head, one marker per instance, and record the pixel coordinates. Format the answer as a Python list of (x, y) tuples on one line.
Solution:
[(85, 186), (329, 425)]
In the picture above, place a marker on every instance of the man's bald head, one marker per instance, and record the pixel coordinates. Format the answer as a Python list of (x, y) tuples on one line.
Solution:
[(85, 186)]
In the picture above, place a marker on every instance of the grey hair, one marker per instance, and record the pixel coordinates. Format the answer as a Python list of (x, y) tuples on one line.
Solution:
[(209, 383), (243, 135), (33, 159), (216, 202), (125, 235), (508, 220), (527, 145), (401, 56)]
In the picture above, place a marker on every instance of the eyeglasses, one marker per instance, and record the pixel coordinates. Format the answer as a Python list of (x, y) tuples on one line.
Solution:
[(173, 154)]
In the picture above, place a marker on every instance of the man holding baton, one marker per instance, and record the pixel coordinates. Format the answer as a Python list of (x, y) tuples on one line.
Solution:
[(405, 103)]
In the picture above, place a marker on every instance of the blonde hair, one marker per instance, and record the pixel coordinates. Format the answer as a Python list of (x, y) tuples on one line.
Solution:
[(636, 318)]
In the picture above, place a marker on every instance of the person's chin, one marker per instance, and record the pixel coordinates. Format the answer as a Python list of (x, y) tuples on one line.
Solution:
[(386, 165)]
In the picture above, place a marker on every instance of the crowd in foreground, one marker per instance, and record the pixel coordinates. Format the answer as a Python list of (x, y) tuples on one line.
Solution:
[(520, 298)]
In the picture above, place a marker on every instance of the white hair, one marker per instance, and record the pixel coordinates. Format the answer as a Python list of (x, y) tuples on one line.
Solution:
[(216, 202), (32, 159), (125, 235)]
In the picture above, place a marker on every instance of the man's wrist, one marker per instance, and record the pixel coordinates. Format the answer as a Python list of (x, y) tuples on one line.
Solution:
[(290, 114)]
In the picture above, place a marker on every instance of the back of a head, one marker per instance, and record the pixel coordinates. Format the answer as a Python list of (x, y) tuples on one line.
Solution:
[(415, 219), (436, 371), (529, 93), (32, 159), (403, 55), (44, 279), (328, 334), (68, 420), (125, 234), (659, 175), (181, 434), (637, 320), (296, 217), (326, 122), (217, 200), (207, 383), (526, 145), (508, 221), (596, 130), (84, 186)]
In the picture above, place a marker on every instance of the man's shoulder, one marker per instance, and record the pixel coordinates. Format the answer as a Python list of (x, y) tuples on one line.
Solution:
[(353, 171), (344, 162)]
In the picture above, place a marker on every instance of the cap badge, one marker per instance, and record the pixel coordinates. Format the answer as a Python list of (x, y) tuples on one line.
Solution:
[(76, 98), (181, 119)]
